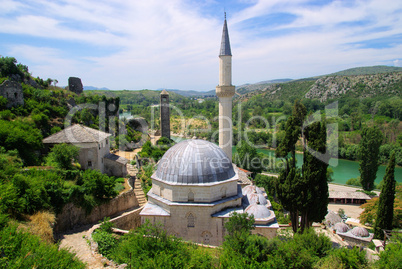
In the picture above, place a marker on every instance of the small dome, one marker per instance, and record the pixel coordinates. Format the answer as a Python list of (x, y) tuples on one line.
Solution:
[(251, 189), (259, 211), (194, 162), (341, 227), (360, 232), (254, 198)]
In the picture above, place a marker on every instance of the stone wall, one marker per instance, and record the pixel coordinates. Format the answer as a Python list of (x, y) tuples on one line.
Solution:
[(75, 85), (12, 91), (129, 220), (73, 216), (113, 168)]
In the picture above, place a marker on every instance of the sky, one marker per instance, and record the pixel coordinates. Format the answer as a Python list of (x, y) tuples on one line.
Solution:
[(174, 44)]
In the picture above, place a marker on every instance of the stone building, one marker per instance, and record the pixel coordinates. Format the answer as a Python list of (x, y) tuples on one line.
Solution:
[(94, 149), (194, 191), (12, 91), (75, 85), (165, 114)]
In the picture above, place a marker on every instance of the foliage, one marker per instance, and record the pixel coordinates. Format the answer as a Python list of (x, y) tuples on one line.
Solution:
[(391, 257), (21, 249), (63, 156), (246, 157), (22, 136), (104, 238), (369, 148), (354, 182), (98, 185), (386, 202), (151, 247), (314, 185), (153, 152), (145, 176), (370, 208), (344, 258)]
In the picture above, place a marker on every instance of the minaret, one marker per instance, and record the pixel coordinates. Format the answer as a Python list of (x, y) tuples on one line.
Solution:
[(165, 114), (225, 91)]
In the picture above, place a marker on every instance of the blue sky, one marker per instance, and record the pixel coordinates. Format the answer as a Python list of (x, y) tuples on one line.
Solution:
[(174, 44)]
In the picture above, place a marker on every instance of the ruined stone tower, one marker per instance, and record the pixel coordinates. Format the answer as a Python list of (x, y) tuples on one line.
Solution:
[(225, 91), (165, 114)]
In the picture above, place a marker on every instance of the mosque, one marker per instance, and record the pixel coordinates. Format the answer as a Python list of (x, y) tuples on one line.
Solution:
[(196, 187)]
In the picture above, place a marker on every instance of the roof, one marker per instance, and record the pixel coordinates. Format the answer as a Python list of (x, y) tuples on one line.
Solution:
[(259, 211), (76, 134), (116, 158), (243, 178), (164, 92), (225, 43), (245, 171), (348, 195), (194, 162)]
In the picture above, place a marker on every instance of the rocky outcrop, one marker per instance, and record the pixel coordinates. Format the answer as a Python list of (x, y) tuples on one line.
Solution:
[(12, 91), (362, 86), (75, 85)]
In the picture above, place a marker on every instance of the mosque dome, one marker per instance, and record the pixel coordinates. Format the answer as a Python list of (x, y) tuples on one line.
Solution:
[(360, 232), (258, 210), (253, 198), (341, 227), (251, 189), (194, 162)]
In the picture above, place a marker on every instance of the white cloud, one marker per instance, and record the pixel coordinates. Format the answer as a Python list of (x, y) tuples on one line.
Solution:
[(152, 44)]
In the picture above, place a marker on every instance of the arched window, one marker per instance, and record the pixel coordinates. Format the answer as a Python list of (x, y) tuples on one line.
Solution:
[(191, 196), (190, 220)]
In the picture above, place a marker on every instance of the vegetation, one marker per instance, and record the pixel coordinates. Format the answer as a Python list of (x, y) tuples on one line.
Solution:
[(20, 249), (370, 209), (385, 209), (63, 156), (369, 149)]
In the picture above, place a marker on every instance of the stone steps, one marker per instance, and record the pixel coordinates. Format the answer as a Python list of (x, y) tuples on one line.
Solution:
[(139, 194)]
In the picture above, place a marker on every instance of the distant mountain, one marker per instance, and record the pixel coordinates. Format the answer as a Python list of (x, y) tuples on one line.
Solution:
[(367, 70), (334, 87), (92, 88), (246, 88), (191, 93)]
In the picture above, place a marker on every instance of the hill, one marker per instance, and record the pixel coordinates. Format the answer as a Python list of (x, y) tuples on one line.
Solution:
[(246, 88), (367, 70)]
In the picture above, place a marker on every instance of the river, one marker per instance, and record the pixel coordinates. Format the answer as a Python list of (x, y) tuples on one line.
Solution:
[(343, 171)]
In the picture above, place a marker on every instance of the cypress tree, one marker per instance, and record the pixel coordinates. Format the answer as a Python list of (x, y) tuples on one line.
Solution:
[(288, 183), (369, 149), (385, 211), (314, 187)]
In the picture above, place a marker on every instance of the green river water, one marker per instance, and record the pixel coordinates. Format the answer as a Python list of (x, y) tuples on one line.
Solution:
[(343, 171)]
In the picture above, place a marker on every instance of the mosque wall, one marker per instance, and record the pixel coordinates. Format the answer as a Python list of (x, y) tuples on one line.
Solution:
[(186, 193)]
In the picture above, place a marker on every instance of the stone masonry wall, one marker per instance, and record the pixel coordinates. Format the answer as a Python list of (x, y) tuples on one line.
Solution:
[(72, 215), (12, 91)]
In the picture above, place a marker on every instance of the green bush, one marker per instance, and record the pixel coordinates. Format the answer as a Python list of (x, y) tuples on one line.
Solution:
[(20, 249)]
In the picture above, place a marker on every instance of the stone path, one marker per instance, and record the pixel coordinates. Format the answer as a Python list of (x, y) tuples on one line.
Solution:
[(76, 242), (76, 239)]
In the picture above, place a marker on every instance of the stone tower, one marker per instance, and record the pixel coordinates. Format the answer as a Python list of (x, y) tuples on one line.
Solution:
[(225, 91), (165, 114)]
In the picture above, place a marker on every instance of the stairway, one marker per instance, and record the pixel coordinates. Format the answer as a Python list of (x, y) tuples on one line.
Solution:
[(139, 194)]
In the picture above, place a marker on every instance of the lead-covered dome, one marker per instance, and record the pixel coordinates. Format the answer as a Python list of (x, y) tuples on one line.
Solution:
[(194, 162)]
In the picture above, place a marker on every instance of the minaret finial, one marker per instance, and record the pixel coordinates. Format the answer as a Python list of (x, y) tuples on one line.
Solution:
[(225, 15)]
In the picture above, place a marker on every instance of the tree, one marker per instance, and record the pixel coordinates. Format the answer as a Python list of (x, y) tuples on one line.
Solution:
[(63, 156), (369, 149), (385, 209), (289, 181), (314, 185), (247, 157)]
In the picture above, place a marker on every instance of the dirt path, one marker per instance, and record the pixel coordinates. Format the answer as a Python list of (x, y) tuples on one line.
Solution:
[(75, 240)]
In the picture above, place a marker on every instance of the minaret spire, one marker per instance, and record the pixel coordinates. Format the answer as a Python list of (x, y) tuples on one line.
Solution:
[(225, 91)]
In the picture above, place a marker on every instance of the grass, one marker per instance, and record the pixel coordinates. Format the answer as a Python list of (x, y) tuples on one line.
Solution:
[(41, 224)]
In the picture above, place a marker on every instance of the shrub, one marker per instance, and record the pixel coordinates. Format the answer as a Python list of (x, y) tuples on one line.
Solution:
[(20, 249)]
